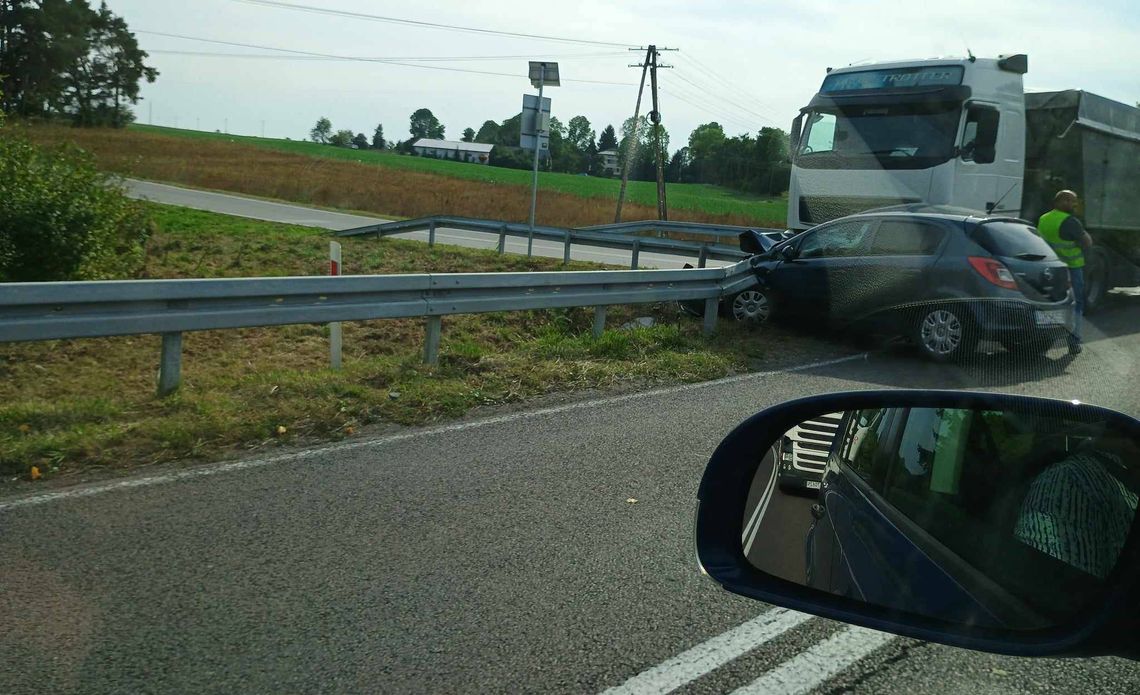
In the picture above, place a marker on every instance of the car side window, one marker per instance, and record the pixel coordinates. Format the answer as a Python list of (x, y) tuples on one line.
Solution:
[(979, 136), (906, 238), (837, 240)]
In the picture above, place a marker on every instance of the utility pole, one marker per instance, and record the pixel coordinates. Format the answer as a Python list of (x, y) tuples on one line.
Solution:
[(655, 118), (631, 144), (650, 65)]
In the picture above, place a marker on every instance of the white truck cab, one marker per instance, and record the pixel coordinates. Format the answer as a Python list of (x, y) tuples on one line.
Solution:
[(940, 131)]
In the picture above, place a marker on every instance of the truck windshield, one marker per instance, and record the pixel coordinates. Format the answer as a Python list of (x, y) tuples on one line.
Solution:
[(898, 136)]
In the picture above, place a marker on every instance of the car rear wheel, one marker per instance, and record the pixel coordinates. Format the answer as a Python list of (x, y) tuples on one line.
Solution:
[(753, 306), (944, 333)]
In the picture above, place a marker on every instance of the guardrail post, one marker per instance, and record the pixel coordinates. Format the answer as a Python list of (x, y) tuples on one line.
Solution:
[(703, 258), (636, 253), (566, 250), (431, 344), (711, 306), (599, 321), (336, 338), (170, 364), (431, 233), (502, 239)]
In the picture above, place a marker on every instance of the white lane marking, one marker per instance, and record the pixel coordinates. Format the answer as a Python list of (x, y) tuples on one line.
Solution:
[(809, 668), (214, 469), (711, 654), (761, 508)]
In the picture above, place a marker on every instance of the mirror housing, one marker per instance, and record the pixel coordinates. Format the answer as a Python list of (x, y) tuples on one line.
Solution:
[(794, 136), (1106, 627), (788, 252)]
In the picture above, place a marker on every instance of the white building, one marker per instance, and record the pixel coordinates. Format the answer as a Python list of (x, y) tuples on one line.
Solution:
[(474, 152), (609, 162)]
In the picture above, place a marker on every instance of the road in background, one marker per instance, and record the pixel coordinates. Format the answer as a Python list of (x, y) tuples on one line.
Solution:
[(312, 217), (541, 551)]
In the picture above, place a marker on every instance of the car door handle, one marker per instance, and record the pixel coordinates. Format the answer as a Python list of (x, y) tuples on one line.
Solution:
[(817, 511)]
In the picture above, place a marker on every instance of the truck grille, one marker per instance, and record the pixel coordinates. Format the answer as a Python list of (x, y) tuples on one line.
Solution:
[(811, 442), (819, 209)]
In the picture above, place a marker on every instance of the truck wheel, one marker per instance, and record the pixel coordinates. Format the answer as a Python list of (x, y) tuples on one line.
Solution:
[(945, 333), (1096, 281)]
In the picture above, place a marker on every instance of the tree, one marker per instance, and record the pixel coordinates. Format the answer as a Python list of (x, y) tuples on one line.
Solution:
[(378, 142), (341, 138), (360, 141), (424, 124), (468, 135), (321, 131), (63, 57), (608, 139), (579, 133), (488, 133)]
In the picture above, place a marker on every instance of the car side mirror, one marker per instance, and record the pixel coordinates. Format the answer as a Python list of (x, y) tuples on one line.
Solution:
[(986, 521), (788, 252)]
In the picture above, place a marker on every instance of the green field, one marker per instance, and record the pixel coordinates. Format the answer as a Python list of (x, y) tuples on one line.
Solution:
[(685, 196)]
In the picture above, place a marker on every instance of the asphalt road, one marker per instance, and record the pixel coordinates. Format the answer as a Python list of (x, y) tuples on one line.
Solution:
[(311, 217), (546, 550), (540, 550)]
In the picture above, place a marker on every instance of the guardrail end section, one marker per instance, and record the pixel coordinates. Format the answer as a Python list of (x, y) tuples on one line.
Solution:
[(170, 364)]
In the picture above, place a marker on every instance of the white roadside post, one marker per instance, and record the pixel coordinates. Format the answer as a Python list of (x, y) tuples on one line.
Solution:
[(334, 327)]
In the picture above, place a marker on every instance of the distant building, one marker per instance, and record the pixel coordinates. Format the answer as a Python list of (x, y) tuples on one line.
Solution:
[(609, 162), (474, 152)]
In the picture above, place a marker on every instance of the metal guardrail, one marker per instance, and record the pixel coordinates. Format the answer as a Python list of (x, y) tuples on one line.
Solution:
[(606, 236), (55, 310)]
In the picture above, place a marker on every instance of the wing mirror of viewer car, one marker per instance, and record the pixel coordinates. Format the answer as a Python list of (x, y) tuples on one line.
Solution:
[(986, 521)]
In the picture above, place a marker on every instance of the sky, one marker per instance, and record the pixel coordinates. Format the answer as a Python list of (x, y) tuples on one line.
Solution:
[(744, 65)]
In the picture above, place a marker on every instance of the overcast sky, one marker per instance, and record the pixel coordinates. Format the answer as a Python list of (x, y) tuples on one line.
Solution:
[(745, 65)]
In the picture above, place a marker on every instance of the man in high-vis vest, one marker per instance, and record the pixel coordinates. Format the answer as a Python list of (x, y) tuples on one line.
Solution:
[(1064, 232)]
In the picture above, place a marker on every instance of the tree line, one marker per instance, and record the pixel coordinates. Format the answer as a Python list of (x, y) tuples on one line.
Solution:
[(64, 58), (749, 163)]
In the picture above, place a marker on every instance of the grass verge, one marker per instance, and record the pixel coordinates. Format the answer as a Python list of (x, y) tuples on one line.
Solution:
[(392, 184), (76, 405)]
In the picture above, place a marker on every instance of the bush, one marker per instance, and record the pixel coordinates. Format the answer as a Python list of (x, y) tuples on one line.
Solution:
[(62, 219)]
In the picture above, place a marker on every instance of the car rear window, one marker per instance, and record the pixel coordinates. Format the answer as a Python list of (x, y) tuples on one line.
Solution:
[(906, 238), (1011, 239)]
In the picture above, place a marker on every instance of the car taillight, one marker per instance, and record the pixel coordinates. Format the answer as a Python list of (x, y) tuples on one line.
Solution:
[(994, 271)]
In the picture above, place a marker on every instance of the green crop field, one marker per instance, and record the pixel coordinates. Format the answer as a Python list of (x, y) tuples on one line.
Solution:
[(713, 200)]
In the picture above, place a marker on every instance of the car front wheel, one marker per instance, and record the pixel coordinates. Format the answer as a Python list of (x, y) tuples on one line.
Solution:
[(944, 333), (754, 306)]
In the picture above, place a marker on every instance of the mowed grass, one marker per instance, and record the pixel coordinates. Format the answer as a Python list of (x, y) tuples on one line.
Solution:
[(69, 406), (393, 184)]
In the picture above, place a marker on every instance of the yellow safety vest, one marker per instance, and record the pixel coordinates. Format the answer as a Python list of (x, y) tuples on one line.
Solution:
[(1049, 227)]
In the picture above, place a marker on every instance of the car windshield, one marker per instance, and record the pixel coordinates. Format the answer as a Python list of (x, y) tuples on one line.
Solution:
[(358, 346)]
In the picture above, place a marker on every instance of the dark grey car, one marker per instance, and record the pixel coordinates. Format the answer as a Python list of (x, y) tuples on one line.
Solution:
[(944, 278)]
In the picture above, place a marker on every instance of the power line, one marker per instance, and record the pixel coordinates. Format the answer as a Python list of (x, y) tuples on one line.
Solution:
[(701, 107), (431, 25), (724, 99), (720, 111), (735, 87), (418, 59), (383, 61)]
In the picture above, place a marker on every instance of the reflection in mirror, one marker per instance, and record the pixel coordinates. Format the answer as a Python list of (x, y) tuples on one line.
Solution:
[(998, 519)]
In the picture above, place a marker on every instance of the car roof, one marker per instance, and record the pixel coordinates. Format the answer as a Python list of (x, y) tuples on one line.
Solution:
[(940, 212)]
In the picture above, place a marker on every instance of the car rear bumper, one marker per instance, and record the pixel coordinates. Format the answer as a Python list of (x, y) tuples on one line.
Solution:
[(1021, 321)]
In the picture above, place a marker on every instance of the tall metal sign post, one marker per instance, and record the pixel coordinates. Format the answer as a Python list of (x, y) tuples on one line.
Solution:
[(541, 74)]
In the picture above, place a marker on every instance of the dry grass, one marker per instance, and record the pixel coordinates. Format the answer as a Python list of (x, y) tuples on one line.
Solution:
[(260, 171), (76, 405)]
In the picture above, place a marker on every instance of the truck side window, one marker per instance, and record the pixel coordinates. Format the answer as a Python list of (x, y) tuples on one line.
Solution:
[(979, 137)]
